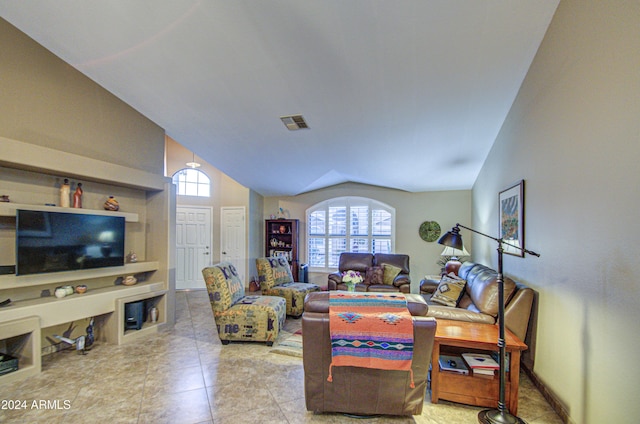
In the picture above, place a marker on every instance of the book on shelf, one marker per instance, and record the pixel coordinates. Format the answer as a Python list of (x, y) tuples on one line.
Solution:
[(453, 364), (484, 371), (480, 360)]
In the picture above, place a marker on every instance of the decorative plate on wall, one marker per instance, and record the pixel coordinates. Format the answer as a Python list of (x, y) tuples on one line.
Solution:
[(429, 231)]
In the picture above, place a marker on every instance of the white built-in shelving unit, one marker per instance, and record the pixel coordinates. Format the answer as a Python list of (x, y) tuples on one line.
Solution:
[(151, 230)]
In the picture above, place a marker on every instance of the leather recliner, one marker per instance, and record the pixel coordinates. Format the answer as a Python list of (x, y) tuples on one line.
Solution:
[(363, 391)]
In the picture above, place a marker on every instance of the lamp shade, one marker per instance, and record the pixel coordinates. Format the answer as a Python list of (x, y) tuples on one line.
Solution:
[(452, 239), (452, 251)]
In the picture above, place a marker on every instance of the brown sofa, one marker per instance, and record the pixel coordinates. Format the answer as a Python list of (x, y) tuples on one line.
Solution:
[(362, 391), (479, 303), (366, 264)]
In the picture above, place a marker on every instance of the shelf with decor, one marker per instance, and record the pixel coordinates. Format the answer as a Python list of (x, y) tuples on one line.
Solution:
[(281, 240), (12, 281), (116, 330), (53, 311), (10, 208)]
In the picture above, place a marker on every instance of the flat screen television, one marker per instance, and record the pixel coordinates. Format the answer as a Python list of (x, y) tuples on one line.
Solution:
[(62, 241)]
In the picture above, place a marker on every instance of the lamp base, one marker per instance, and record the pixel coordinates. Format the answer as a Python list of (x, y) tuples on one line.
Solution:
[(452, 266), (494, 416)]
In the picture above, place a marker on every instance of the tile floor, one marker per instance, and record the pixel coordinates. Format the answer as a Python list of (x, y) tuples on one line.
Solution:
[(185, 376)]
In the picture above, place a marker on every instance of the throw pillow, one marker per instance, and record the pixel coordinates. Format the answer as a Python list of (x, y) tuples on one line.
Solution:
[(373, 275), (390, 273), (449, 291)]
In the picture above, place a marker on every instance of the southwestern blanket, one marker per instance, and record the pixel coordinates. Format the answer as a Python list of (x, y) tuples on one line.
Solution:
[(370, 330)]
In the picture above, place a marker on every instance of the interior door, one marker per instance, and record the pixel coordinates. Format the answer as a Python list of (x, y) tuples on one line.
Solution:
[(193, 246), (232, 238)]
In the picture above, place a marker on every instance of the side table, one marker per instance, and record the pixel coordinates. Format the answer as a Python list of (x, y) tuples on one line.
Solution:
[(456, 337)]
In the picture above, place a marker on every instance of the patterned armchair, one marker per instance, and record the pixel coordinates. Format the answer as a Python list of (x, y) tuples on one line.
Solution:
[(276, 280), (239, 317)]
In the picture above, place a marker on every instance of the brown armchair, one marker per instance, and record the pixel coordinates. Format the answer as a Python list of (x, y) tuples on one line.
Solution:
[(378, 271), (362, 391)]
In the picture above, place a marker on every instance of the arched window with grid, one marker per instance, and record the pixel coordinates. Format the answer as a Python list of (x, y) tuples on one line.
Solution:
[(347, 224), (192, 182)]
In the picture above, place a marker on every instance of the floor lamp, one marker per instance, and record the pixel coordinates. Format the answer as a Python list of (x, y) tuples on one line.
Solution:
[(454, 239)]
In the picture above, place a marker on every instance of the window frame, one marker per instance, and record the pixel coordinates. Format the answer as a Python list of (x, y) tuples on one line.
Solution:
[(346, 202), (198, 183)]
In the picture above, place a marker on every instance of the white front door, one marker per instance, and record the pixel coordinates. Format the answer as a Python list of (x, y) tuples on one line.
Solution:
[(193, 246), (232, 238)]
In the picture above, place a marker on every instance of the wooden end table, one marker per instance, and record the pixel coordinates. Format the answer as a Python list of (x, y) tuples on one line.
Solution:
[(456, 337)]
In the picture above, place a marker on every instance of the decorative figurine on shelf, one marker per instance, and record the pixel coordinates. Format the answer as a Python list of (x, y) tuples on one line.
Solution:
[(129, 280), (77, 197), (111, 204), (282, 229), (90, 338), (132, 257), (65, 190)]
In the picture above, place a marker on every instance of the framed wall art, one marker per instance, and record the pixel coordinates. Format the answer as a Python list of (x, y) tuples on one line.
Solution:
[(511, 218)]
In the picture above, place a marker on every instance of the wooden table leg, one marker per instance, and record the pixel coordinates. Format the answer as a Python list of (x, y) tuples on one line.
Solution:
[(514, 380), (435, 373)]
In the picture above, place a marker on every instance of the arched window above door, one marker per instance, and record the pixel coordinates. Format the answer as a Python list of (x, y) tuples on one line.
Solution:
[(192, 182)]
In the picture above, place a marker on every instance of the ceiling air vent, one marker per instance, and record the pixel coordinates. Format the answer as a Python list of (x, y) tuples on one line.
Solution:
[(294, 122)]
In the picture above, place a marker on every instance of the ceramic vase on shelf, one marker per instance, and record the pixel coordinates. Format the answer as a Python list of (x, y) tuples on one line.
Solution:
[(111, 204), (153, 314), (77, 197), (65, 191)]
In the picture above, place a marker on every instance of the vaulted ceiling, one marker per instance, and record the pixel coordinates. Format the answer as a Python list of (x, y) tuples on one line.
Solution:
[(405, 94)]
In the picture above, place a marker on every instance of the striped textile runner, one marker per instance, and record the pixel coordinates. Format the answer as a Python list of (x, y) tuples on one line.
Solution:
[(370, 330)]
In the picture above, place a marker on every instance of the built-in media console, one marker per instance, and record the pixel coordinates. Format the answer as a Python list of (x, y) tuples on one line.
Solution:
[(43, 247), (56, 247)]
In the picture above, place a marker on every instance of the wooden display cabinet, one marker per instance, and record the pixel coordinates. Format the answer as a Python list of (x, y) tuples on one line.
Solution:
[(281, 240)]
